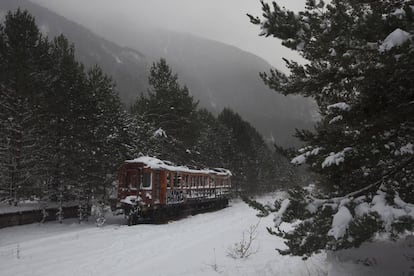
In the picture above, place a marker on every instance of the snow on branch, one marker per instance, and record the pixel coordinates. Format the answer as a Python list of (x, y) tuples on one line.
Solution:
[(396, 38), (388, 213), (301, 159), (341, 106), (335, 158), (335, 119), (377, 183), (160, 133), (340, 223), (314, 203), (279, 214), (407, 149)]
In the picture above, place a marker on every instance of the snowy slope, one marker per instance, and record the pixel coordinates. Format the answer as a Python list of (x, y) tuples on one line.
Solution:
[(195, 245)]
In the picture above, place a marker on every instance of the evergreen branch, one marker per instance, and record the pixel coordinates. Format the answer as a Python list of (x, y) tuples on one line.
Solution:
[(388, 174), (370, 186)]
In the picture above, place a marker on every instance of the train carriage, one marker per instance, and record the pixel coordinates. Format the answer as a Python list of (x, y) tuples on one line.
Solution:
[(154, 190)]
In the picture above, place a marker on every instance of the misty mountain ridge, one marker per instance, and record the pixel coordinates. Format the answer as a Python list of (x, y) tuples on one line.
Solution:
[(218, 75), (219, 70), (125, 65)]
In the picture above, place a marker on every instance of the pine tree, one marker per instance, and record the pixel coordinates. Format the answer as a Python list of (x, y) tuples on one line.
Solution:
[(247, 155), (66, 116), (169, 105), (213, 141), (63, 131), (108, 132), (166, 117), (22, 52), (360, 74)]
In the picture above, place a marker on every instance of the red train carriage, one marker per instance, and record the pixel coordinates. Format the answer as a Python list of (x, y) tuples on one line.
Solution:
[(154, 190)]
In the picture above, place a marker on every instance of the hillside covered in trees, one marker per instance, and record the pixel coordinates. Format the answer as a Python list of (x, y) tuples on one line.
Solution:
[(218, 75), (64, 131)]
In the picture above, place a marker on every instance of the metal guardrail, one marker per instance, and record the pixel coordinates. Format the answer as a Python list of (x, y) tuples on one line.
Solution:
[(32, 216)]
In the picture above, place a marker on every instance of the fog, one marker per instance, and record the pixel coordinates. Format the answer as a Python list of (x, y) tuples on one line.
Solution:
[(221, 20)]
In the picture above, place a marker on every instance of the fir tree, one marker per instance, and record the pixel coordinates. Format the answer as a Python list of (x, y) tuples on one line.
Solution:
[(66, 113), (213, 142), (360, 74), (109, 139), (63, 131), (166, 117), (169, 105), (247, 155), (22, 52)]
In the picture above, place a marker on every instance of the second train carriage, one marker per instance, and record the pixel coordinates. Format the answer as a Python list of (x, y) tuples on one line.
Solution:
[(152, 189)]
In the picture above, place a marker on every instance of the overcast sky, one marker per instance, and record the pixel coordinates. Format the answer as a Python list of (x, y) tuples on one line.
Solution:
[(221, 20)]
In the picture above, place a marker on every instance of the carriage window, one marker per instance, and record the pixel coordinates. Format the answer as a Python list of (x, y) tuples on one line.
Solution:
[(186, 181), (131, 180), (146, 180), (176, 180), (168, 180), (157, 178), (134, 181), (180, 180)]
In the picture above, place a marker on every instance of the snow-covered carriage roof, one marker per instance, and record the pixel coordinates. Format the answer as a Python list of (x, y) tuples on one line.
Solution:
[(155, 163)]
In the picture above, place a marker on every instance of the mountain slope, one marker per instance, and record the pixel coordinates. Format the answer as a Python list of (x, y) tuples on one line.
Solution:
[(218, 75), (126, 66)]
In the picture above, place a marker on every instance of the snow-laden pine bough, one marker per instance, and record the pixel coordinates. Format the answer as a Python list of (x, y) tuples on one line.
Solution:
[(152, 190)]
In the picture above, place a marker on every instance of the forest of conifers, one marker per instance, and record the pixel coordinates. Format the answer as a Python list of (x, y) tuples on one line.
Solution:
[(64, 131)]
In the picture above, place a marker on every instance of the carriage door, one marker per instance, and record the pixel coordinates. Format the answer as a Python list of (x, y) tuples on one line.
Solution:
[(156, 186), (133, 181), (163, 187)]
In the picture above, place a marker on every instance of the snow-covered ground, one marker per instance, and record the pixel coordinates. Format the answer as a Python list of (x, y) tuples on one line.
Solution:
[(197, 245)]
